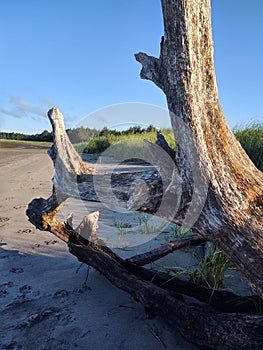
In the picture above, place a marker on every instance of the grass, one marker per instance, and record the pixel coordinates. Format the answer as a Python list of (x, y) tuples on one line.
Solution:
[(211, 269), (79, 147), (130, 148), (130, 142), (124, 146), (251, 139), (180, 232), (123, 229), (121, 226), (22, 142), (146, 226)]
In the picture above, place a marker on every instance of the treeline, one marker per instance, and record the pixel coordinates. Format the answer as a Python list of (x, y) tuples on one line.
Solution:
[(76, 135), (132, 137), (133, 130), (250, 137), (45, 136)]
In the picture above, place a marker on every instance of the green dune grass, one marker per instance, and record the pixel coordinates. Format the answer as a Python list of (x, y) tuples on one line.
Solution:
[(17, 143), (251, 139)]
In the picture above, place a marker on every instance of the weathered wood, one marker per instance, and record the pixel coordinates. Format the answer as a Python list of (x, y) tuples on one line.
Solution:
[(164, 145), (209, 184), (81, 186), (88, 228), (165, 249), (232, 216), (153, 289), (210, 329), (220, 299)]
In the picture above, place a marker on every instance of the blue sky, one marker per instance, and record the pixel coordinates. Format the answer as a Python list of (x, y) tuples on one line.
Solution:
[(79, 56)]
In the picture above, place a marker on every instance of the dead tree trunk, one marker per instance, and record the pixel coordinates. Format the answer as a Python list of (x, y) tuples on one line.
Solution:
[(232, 215), (219, 187)]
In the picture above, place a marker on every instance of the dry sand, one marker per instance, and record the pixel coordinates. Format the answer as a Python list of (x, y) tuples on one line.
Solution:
[(45, 302)]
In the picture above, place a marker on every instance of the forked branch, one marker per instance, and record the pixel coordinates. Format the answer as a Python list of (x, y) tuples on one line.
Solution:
[(162, 294)]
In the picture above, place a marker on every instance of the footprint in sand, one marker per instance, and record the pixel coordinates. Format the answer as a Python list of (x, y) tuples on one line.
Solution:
[(9, 198), (3, 220), (4, 288), (25, 230), (19, 206), (61, 293), (17, 270), (50, 242), (3, 292), (36, 245), (25, 289), (7, 284)]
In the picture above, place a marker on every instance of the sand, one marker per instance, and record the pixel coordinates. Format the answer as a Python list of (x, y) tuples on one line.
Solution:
[(48, 300)]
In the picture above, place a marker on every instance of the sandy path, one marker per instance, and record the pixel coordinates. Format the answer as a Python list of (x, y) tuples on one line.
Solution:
[(44, 300)]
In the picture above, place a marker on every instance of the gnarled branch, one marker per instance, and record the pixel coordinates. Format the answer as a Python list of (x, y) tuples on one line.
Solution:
[(210, 181)]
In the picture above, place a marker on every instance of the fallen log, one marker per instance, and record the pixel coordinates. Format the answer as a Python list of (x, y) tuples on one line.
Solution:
[(154, 291), (161, 294), (210, 185), (206, 328)]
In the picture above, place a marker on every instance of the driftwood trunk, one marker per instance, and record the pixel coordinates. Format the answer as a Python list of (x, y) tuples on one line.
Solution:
[(232, 215), (220, 191)]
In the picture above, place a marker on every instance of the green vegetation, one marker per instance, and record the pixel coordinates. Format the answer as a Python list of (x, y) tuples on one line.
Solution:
[(45, 136), (146, 226), (99, 144), (180, 232), (123, 228), (75, 135), (129, 144), (23, 142), (251, 139), (129, 147), (211, 269), (81, 134)]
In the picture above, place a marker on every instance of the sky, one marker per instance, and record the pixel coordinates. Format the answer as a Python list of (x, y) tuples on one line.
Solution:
[(78, 55)]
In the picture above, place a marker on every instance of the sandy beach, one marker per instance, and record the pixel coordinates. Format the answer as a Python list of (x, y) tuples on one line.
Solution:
[(48, 299)]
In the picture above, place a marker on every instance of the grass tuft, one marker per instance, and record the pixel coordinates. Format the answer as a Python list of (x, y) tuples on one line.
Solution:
[(251, 139), (211, 269)]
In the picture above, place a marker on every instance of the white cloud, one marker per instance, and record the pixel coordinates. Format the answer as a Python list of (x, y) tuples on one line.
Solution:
[(20, 108), (47, 101), (16, 113)]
